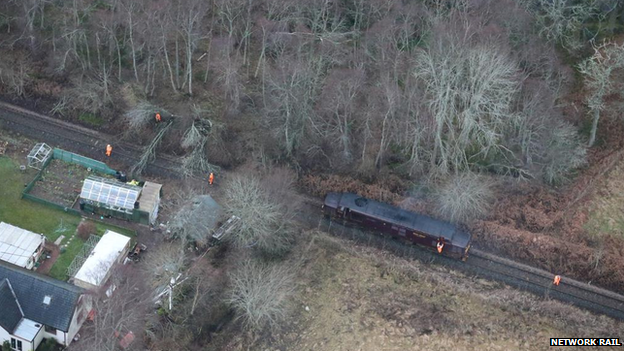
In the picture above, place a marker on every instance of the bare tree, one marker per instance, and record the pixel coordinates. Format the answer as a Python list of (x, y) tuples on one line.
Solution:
[(470, 95), (464, 197), (561, 21), (16, 78), (123, 312), (291, 93), (564, 153), (260, 293), (264, 223), (166, 262), (598, 71), (139, 116)]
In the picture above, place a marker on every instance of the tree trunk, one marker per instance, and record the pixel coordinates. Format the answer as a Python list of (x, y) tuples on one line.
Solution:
[(592, 135)]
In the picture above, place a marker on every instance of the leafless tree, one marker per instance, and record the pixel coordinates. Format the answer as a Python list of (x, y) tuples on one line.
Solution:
[(139, 116), (598, 71), (464, 197), (564, 153), (166, 262), (291, 93), (470, 95), (119, 314), (264, 224), (260, 293), (16, 78), (561, 21)]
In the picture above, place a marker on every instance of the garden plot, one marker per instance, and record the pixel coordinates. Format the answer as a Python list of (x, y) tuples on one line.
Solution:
[(60, 183)]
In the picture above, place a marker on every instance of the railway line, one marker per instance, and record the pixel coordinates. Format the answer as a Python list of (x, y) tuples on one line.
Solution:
[(82, 140), (92, 143), (484, 265)]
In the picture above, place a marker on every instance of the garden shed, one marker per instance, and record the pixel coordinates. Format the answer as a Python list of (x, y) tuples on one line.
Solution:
[(19, 246), (95, 271), (110, 197)]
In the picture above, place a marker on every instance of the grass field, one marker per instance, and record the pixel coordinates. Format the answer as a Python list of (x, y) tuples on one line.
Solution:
[(356, 298), (39, 218), (605, 211)]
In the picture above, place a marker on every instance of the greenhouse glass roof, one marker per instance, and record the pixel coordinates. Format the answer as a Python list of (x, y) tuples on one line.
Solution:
[(110, 192)]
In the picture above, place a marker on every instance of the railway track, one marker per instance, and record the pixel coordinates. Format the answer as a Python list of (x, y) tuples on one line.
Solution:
[(81, 140), (484, 265), (91, 143)]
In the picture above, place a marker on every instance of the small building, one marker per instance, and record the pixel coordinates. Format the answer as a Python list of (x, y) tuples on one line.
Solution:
[(110, 197), (95, 271), (34, 307), (19, 246), (197, 220)]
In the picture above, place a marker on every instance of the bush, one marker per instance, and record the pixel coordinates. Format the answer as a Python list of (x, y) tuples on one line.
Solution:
[(85, 229), (565, 153), (6, 346), (464, 197), (48, 345), (259, 293)]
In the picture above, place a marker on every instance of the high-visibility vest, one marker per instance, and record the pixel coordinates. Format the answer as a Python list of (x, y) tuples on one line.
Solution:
[(557, 280), (440, 246)]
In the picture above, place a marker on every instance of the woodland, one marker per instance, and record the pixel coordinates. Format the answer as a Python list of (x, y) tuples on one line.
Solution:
[(500, 115)]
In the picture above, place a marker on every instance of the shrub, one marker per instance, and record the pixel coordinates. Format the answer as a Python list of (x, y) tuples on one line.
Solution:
[(85, 229)]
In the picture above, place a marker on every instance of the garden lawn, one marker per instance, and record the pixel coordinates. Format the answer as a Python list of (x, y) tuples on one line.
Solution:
[(41, 219)]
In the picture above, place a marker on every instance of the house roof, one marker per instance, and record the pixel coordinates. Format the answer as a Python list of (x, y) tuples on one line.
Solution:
[(96, 267), (31, 289), (198, 218), (18, 245), (11, 312)]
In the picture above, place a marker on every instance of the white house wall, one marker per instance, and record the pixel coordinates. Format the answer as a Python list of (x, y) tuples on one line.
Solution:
[(4, 335), (26, 345)]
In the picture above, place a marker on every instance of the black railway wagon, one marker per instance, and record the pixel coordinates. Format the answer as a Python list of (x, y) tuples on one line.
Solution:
[(416, 228)]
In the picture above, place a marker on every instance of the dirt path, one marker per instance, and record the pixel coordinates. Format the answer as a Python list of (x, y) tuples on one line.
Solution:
[(46, 265)]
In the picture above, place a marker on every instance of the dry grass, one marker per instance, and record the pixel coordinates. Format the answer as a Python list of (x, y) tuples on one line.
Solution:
[(605, 212), (359, 298)]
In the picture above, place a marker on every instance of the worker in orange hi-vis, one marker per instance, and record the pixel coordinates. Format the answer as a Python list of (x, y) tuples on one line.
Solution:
[(109, 150), (211, 178), (158, 118), (440, 245), (557, 280)]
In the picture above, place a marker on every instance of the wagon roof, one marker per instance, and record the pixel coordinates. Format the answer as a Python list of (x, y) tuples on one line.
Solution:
[(433, 227)]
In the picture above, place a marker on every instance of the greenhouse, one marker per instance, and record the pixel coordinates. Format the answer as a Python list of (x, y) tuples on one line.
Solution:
[(112, 198)]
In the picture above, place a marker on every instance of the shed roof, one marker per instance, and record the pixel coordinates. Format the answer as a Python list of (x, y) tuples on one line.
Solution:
[(110, 192), (150, 196), (11, 312), (32, 288), (18, 245), (96, 267)]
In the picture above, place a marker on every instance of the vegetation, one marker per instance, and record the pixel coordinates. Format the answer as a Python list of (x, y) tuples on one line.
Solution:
[(368, 96), (39, 218)]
